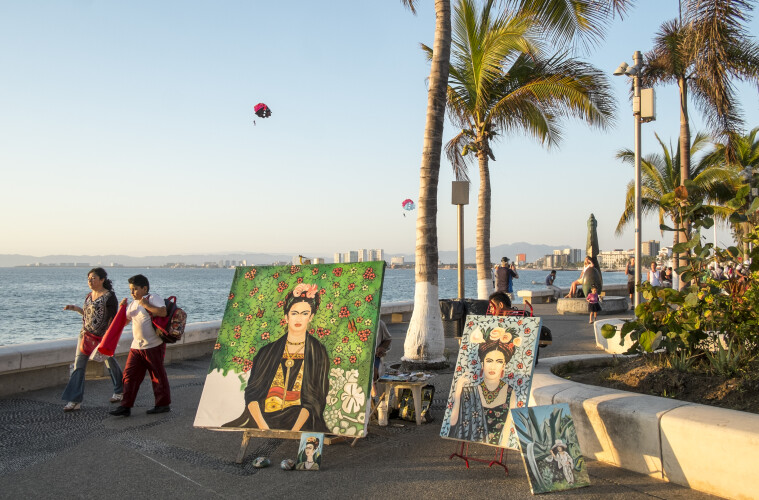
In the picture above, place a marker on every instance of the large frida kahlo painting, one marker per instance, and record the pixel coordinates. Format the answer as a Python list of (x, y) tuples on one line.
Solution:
[(295, 350), (493, 373)]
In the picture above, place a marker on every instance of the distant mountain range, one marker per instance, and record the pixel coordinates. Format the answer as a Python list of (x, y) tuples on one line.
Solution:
[(446, 256)]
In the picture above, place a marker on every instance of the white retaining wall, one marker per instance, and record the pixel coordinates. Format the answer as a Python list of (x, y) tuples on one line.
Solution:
[(702, 447)]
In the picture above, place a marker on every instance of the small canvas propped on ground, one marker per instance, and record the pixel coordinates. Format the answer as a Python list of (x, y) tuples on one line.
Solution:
[(550, 450), (310, 451)]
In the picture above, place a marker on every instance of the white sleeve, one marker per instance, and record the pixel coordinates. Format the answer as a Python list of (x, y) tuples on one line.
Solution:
[(156, 300)]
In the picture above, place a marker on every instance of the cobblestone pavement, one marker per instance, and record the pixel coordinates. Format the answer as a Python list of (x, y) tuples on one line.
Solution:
[(46, 453)]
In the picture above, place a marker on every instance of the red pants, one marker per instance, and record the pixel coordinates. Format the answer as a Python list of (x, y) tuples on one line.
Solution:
[(138, 361)]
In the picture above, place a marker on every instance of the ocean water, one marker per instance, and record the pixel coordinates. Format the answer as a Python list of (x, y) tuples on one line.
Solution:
[(32, 298)]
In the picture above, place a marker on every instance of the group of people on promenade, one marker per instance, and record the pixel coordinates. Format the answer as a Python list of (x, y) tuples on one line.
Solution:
[(146, 354)]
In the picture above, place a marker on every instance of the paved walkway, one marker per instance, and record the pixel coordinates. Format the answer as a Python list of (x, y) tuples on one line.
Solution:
[(45, 453)]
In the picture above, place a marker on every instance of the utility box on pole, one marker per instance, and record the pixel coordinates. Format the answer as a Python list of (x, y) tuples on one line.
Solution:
[(647, 105)]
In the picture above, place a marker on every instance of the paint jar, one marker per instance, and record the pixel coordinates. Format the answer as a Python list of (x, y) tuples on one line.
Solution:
[(382, 412)]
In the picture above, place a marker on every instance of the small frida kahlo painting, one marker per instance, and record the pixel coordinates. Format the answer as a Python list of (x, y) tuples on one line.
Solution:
[(493, 374), (295, 350), (550, 450), (310, 451)]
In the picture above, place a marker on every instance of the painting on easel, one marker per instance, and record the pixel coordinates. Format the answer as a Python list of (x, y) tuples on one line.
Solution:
[(295, 350), (550, 450), (493, 374)]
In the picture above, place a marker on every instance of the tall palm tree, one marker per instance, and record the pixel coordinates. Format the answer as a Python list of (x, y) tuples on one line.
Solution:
[(702, 53), (424, 339), (499, 83), (712, 181)]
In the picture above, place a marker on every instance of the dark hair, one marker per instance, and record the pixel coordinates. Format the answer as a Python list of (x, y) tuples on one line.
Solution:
[(507, 349), (139, 280), (553, 271), (291, 300), (100, 273), (501, 297)]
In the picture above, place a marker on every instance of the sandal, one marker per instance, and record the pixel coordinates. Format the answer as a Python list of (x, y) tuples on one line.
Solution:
[(71, 406)]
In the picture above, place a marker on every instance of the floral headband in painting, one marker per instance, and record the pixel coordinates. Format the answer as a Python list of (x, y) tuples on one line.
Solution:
[(305, 290)]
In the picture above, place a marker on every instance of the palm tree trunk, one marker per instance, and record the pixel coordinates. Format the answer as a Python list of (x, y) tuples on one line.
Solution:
[(424, 339), (484, 265), (684, 162)]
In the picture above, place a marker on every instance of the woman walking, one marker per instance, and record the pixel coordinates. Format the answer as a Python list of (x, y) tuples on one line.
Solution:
[(99, 309)]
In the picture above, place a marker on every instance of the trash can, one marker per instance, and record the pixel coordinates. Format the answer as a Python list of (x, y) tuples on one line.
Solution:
[(452, 312), (475, 306)]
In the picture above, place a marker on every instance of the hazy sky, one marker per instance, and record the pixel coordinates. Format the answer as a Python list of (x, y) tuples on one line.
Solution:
[(127, 128)]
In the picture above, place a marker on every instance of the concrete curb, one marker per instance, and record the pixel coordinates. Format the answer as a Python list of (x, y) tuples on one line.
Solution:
[(701, 447)]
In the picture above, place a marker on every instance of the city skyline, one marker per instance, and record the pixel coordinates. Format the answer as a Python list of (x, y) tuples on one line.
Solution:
[(144, 145)]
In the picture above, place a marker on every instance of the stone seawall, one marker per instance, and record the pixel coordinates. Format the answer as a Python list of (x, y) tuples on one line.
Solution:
[(37, 365)]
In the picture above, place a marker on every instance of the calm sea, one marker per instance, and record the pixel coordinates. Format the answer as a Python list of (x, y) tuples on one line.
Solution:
[(32, 299)]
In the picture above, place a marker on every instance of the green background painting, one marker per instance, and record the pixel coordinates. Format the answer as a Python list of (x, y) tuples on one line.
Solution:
[(345, 323)]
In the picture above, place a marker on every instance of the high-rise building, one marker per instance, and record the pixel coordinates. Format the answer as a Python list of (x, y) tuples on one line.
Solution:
[(337, 258), (649, 248)]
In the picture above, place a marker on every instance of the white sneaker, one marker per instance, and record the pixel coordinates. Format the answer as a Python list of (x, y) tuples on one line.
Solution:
[(116, 398), (71, 406)]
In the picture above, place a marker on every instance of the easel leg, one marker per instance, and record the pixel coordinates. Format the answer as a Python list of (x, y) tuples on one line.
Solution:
[(243, 447), (416, 392), (462, 454)]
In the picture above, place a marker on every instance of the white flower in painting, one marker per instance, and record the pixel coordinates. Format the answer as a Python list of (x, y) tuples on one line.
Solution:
[(362, 418), (331, 399), (476, 337), (336, 373), (353, 398), (351, 376)]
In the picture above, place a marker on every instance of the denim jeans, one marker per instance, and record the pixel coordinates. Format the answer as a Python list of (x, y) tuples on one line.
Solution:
[(75, 389)]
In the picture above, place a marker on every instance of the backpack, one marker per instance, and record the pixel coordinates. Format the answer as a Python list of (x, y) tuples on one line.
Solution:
[(170, 328)]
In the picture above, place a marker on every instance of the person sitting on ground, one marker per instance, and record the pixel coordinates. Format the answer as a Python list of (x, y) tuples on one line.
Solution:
[(549, 284)]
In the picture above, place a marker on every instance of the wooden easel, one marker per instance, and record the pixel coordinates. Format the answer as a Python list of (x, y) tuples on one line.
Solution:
[(270, 434), (464, 455)]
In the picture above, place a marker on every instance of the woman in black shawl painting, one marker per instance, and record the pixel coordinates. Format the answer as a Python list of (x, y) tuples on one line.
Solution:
[(289, 378)]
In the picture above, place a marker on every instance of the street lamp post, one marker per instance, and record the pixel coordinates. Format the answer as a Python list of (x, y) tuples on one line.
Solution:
[(634, 72)]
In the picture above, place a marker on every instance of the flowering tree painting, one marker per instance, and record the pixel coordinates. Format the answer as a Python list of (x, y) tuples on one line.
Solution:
[(295, 350), (493, 374)]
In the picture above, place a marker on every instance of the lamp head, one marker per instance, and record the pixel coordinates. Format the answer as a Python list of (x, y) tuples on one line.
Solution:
[(621, 69), (632, 70)]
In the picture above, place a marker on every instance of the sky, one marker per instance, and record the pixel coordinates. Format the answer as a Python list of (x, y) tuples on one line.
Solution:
[(128, 128)]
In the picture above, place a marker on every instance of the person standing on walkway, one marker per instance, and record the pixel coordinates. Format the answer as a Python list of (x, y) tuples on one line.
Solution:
[(630, 272), (654, 275), (504, 275), (99, 309), (147, 351), (594, 305)]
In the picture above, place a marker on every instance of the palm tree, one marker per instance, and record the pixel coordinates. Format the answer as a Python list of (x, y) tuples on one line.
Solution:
[(499, 83), (702, 54), (745, 153), (712, 181), (424, 339)]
